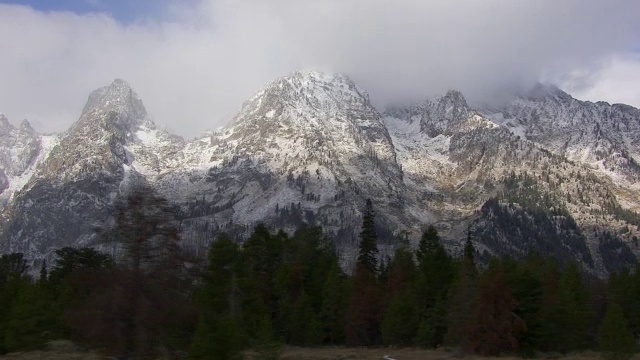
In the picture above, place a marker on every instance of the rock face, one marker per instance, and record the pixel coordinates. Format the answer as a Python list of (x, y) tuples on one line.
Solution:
[(544, 173)]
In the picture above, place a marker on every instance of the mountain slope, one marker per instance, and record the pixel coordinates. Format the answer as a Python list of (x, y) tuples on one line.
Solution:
[(73, 187), (545, 173)]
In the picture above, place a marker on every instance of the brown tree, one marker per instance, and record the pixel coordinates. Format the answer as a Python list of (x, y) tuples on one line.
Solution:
[(495, 327), (141, 305)]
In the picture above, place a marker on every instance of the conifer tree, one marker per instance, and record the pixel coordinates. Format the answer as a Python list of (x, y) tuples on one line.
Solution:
[(435, 278), (13, 278), (495, 327), (364, 309), (143, 304), (569, 316), (399, 324), (616, 340), (219, 333), (334, 302), (463, 296), (527, 287), (261, 258), (368, 249)]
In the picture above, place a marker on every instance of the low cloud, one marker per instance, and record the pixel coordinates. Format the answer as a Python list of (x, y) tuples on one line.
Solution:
[(195, 66)]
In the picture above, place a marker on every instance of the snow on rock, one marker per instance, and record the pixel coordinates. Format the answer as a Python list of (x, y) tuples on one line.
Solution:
[(309, 148)]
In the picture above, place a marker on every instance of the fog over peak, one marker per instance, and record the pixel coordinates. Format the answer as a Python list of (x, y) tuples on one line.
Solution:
[(194, 66)]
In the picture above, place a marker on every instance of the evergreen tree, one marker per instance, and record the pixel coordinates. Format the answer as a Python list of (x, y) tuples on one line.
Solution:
[(399, 324), (219, 333), (463, 296), (368, 249), (363, 315), (222, 340), (436, 274), (495, 327), (142, 305), (527, 289), (570, 315), (76, 260), (616, 340), (261, 259), (334, 302), (13, 278), (33, 320)]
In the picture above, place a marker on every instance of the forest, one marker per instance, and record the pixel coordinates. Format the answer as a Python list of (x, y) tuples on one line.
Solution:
[(152, 298)]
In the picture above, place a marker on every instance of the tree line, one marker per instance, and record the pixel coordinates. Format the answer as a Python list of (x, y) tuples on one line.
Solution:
[(274, 289)]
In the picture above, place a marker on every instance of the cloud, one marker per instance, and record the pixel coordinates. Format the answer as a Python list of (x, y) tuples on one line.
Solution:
[(615, 80), (195, 65)]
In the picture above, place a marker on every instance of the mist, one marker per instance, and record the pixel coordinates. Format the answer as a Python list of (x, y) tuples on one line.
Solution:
[(195, 65)]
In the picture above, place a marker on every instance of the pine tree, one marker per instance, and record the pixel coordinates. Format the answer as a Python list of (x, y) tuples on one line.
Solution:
[(142, 305), (13, 278), (362, 324), (495, 327), (364, 309), (436, 275), (526, 283), (399, 324), (569, 316), (219, 333), (616, 340), (463, 297), (260, 261), (334, 302), (32, 318), (368, 249)]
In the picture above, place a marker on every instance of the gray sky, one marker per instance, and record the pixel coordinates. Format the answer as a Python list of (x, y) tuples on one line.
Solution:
[(194, 62)]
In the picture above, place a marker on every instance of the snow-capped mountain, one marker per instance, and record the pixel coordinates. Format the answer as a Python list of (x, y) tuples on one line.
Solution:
[(603, 136), (545, 173)]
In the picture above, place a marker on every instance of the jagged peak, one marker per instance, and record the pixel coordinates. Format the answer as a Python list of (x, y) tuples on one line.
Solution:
[(314, 81), (5, 125), (3, 120), (454, 97), (25, 126), (119, 96), (316, 75), (304, 91)]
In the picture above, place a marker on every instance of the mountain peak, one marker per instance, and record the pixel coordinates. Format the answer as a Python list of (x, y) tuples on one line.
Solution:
[(454, 97), (305, 94), (541, 91), (119, 97), (4, 122), (25, 126)]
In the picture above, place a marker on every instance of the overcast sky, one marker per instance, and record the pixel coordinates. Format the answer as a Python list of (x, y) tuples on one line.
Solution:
[(194, 62)]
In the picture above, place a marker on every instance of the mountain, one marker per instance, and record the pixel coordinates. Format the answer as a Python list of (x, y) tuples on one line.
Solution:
[(545, 172)]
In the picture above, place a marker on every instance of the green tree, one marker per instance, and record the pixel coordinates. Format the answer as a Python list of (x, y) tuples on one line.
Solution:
[(436, 274), (261, 258), (362, 325), (368, 248), (399, 324), (69, 260), (463, 297), (334, 300), (220, 340), (526, 282), (569, 315), (616, 340), (33, 319), (13, 278), (219, 334)]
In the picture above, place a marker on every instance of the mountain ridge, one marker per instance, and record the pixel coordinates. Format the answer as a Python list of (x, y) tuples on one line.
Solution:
[(310, 147)]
